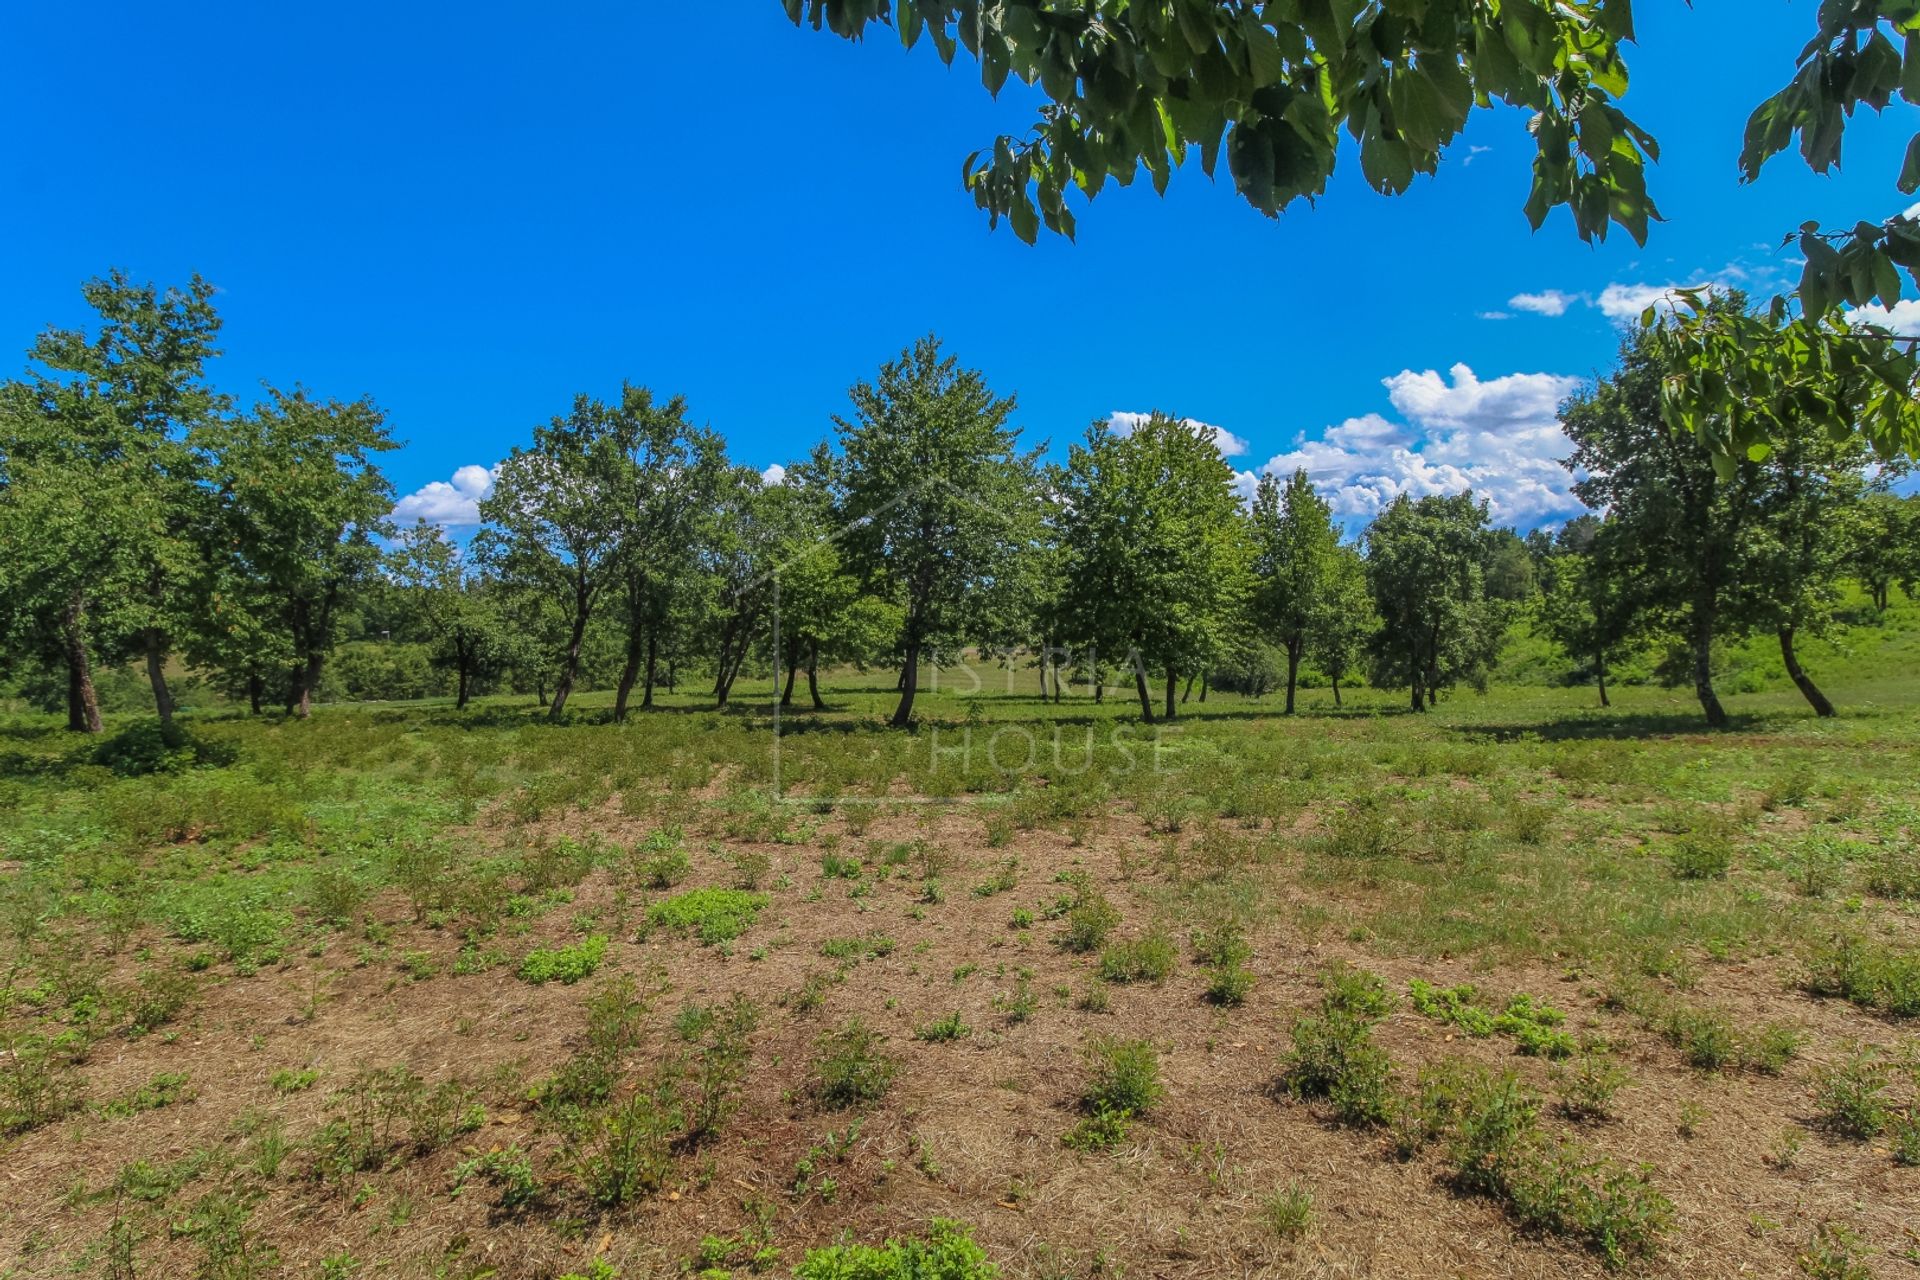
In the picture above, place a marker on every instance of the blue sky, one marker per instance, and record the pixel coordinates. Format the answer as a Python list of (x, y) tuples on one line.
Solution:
[(472, 213)]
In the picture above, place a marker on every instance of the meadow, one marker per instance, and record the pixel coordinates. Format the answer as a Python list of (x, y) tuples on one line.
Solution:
[(1517, 987)]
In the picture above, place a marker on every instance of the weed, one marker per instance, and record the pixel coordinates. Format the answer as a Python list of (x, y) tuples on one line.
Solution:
[(1587, 1085), (941, 1029), (1851, 1096), (509, 1171), (566, 965), (1700, 857), (852, 1068), (947, 1253), (1148, 959), (1090, 917), (715, 915), (1288, 1212), (1834, 1253)]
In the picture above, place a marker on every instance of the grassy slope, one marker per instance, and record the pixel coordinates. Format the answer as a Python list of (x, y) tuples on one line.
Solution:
[(359, 892)]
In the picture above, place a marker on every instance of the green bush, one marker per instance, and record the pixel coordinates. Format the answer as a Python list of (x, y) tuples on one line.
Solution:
[(1124, 1077), (716, 915), (852, 1067), (948, 1253), (1148, 959), (566, 964), (1090, 917), (1851, 1096)]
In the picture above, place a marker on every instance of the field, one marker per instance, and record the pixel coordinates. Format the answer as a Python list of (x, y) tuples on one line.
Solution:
[(1515, 988)]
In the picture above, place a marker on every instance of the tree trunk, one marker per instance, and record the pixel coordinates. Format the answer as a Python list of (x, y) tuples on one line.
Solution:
[(793, 670), (653, 659), (1206, 682), (1880, 592), (563, 687), (1802, 681), (909, 684), (1186, 694), (465, 687), (1336, 692), (1703, 669), (157, 677), (1140, 687), (1419, 697), (1173, 682), (628, 675), (308, 682), (83, 707), (256, 690), (1600, 679), (813, 676), (1293, 671)]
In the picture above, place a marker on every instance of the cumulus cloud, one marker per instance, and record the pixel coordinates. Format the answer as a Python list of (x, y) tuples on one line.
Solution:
[(1548, 302), (1902, 318), (1624, 303), (451, 503), (1230, 445), (1500, 437), (775, 474)]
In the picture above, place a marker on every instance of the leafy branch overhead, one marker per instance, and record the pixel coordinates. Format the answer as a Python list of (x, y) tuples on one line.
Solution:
[(1136, 86)]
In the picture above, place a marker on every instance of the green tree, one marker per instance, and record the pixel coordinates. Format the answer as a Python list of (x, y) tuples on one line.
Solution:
[(1294, 542), (938, 501), (105, 450), (302, 500), (1344, 618), (1157, 557), (1586, 607), (453, 606), (1426, 567), (1883, 549), (555, 520), (1680, 522)]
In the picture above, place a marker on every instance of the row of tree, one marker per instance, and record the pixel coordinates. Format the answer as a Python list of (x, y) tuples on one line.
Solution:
[(151, 520)]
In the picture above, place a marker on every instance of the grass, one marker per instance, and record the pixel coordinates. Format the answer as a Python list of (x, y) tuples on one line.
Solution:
[(1505, 903)]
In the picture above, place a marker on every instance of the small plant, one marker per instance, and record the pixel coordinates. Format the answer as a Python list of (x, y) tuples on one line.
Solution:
[(1700, 857), (1090, 918), (1692, 1117), (1288, 1212), (1229, 985), (508, 1171), (1851, 1096), (940, 1029), (852, 1068), (566, 965), (628, 1150), (1834, 1253), (1587, 1084), (1148, 959), (948, 1253), (1021, 1004), (1125, 1076), (1904, 1129), (1454, 1005), (715, 915)]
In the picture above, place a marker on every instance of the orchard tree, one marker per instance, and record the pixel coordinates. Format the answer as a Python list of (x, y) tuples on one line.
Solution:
[(555, 519), (108, 430), (1344, 619), (1586, 607), (741, 552), (1157, 557), (453, 605), (938, 501), (1294, 542), (302, 500), (1883, 537), (1129, 88), (1426, 567), (1681, 512)]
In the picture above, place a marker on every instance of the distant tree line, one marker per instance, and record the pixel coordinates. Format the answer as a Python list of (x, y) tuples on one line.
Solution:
[(152, 524)]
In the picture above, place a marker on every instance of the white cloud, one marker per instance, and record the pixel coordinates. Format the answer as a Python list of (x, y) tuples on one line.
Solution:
[(454, 503), (1902, 318), (1501, 438), (775, 474), (1548, 302), (1624, 303), (1230, 445)]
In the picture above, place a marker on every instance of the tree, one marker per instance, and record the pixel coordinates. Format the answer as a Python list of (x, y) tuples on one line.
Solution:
[(301, 502), (1680, 522), (556, 517), (1344, 618), (1884, 545), (453, 606), (1294, 544), (1810, 485), (1157, 555), (1426, 567), (937, 499), (1131, 86), (741, 550), (109, 433), (671, 473), (1586, 608)]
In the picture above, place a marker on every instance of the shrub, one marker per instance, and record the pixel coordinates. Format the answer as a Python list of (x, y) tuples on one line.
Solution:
[(1587, 1086), (1834, 1253), (1334, 1057), (947, 1028), (1229, 985), (566, 964), (852, 1067), (1867, 974), (509, 1171), (948, 1253), (716, 915), (1090, 918), (1698, 857), (717, 1063), (147, 748), (628, 1151), (1143, 959), (1851, 1096), (1124, 1078), (1355, 991)]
